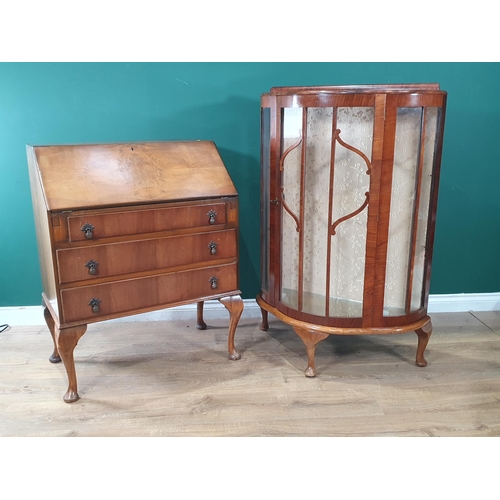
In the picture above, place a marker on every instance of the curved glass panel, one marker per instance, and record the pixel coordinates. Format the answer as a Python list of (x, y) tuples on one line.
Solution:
[(404, 183), (431, 123), (416, 132), (265, 225)]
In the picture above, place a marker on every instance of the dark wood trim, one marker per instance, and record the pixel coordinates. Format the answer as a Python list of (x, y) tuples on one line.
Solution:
[(302, 208), (431, 222), (275, 209), (373, 209), (330, 209), (416, 208), (358, 89), (384, 209), (326, 100)]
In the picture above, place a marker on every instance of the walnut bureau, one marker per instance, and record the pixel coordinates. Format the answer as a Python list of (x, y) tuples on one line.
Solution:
[(129, 228)]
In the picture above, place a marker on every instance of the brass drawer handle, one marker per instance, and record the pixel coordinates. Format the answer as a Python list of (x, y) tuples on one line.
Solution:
[(213, 281), (94, 303), (212, 246), (88, 229), (211, 216), (92, 265)]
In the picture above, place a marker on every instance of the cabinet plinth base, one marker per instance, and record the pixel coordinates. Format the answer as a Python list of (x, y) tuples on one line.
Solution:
[(312, 334)]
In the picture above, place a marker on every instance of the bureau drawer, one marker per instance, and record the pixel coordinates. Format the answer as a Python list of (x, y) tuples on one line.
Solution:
[(126, 223), (114, 259), (140, 294)]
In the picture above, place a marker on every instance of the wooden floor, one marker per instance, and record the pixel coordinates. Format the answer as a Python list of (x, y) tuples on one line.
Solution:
[(169, 379)]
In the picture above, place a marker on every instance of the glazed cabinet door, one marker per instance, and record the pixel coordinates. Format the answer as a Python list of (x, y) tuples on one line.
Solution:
[(414, 126), (319, 183)]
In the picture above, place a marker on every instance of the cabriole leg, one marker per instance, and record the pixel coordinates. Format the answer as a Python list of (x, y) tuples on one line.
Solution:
[(66, 341), (200, 324), (264, 326), (424, 335), (234, 305), (310, 339), (54, 357)]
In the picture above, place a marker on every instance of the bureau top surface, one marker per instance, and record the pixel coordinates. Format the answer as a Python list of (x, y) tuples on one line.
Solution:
[(106, 175)]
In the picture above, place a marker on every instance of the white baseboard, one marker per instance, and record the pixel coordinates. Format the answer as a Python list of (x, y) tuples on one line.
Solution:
[(464, 302), (213, 309)]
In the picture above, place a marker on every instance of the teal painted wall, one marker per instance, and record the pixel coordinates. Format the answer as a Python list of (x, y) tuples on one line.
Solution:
[(61, 103)]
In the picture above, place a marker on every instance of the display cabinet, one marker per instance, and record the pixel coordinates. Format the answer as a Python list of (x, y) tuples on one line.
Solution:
[(129, 228), (349, 193)]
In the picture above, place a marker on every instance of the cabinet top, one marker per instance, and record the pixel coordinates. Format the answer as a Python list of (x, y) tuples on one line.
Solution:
[(356, 89), (105, 175)]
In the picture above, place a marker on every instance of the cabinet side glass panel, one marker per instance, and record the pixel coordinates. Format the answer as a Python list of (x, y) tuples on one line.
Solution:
[(404, 179), (316, 203), (290, 177), (430, 136), (265, 200), (350, 185)]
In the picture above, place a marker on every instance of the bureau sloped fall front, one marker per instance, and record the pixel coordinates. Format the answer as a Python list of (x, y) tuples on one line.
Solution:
[(129, 228)]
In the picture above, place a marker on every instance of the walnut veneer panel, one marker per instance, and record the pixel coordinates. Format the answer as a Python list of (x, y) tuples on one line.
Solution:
[(138, 221), (121, 258), (359, 89), (119, 297), (43, 234), (104, 175)]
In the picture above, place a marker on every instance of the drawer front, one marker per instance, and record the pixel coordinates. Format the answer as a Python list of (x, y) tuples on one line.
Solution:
[(126, 223), (137, 295), (114, 259)]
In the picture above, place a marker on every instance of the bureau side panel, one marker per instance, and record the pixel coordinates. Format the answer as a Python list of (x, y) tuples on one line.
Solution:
[(43, 231), (233, 218)]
